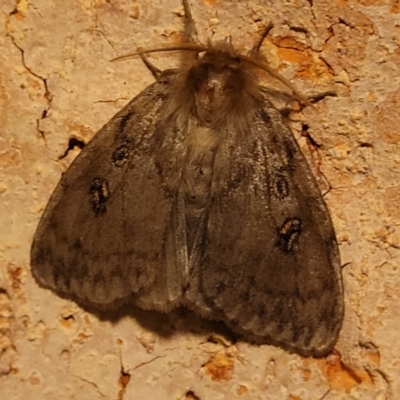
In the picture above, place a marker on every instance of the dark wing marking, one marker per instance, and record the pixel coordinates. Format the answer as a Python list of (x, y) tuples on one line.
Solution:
[(271, 263), (106, 232)]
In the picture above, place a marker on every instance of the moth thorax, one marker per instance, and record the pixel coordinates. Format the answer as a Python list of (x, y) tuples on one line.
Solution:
[(202, 140)]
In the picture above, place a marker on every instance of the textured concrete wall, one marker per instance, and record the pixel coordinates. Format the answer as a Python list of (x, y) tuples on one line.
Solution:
[(56, 83)]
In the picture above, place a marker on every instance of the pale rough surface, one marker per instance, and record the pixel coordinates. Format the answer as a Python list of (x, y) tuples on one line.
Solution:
[(56, 84)]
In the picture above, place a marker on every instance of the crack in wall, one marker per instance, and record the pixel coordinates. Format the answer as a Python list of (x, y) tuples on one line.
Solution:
[(47, 95)]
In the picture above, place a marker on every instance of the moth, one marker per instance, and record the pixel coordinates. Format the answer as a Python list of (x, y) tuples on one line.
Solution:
[(197, 194)]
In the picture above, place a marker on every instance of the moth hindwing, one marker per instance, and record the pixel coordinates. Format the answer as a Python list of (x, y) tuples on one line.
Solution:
[(197, 194)]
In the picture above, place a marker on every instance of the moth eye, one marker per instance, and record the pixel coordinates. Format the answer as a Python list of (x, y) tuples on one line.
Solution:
[(120, 155), (279, 186), (288, 233), (99, 194)]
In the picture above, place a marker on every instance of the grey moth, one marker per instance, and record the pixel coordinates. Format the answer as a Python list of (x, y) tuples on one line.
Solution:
[(196, 194)]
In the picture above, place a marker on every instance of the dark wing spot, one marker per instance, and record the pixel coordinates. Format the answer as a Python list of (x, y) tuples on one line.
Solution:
[(99, 194), (120, 155), (291, 149), (279, 185), (123, 121), (288, 233)]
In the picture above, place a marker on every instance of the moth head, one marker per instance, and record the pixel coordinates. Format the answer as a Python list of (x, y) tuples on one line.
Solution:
[(221, 55)]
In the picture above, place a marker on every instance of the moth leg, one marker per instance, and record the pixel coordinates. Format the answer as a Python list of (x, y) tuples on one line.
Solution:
[(315, 98), (257, 45), (151, 67), (190, 32)]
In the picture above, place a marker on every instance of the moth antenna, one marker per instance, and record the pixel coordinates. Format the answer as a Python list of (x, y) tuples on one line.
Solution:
[(156, 72), (189, 34), (277, 76), (257, 45), (250, 59), (190, 31), (198, 48), (315, 98)]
